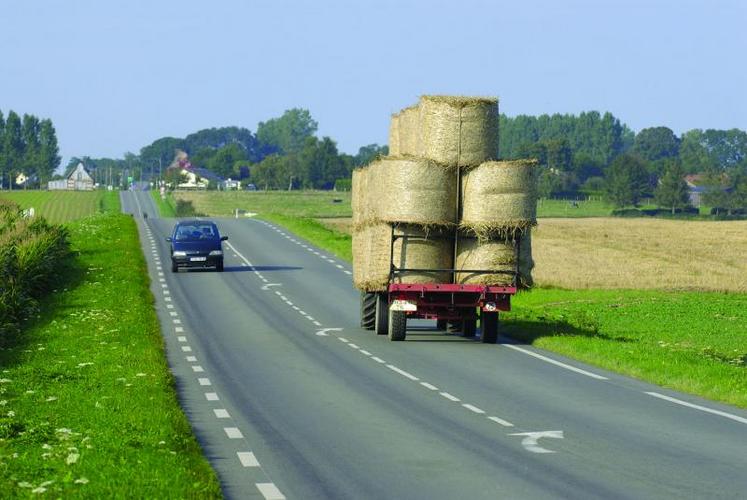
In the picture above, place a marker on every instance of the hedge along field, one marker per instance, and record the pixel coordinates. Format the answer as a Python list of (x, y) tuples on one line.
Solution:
[(63, 206), (87, 402)]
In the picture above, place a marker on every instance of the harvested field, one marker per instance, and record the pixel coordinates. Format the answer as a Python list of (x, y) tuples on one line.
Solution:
[(634, 253)]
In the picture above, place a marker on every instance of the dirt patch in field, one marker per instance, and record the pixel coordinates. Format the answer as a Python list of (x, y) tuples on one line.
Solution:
[(633, 253)]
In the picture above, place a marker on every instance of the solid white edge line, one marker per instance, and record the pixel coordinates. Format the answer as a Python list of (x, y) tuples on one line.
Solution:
[(504, 423), (270, 491), (736, 418), (247, 459), (403, 373), (556, 363)]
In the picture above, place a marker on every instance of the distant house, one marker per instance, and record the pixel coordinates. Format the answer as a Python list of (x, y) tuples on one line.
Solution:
[(78, 180), (197, 178), (229, 184), (698, 185)]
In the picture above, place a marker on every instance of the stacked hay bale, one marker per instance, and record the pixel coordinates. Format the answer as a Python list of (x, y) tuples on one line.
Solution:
[(416, 192)]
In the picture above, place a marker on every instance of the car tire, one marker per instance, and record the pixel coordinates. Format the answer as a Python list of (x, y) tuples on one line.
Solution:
[(174, 267), (219, 266)]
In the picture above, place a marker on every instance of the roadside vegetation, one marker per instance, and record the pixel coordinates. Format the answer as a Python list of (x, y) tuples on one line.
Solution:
[(165, 206), (87, 403)]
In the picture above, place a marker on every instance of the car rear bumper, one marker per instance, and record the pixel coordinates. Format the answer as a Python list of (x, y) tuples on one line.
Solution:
[(190, 262)]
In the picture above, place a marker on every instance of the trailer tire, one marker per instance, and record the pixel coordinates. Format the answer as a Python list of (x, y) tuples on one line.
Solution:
[(489, 327), (368, 310), (469, 327), (381, 324), (454, 326), (397, 325), (441, 324)]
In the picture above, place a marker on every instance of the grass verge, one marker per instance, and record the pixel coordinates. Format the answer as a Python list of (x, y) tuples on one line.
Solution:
[(165, 206), (87, 402), (685, 340)]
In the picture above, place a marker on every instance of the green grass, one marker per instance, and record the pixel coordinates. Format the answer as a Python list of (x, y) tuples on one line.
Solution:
[(562, 208), (335, 242), (87, 402), (310, 204), (64, 206), (165, 206), (689, 341)]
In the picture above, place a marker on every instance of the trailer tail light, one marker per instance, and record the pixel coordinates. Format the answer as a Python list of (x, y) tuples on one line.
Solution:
[(489, 307), (403, 305)]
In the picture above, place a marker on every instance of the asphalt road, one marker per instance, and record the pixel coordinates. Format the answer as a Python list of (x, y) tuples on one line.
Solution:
[(291, 398)]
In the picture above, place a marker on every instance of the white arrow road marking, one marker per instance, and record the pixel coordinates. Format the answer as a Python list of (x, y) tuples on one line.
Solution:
[(268, 285), (530, 440), (323, 331)]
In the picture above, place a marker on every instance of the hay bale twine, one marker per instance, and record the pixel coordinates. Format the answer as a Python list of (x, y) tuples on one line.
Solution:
[(499, 197), (459, 131), (410, 137), (526, 262), (394, 148), (493, 255), (413, 191), (420, 248)]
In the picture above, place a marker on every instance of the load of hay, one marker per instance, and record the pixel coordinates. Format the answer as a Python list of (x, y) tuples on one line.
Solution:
[(475, 255), (410, 137), (459, 131), (499, 197), (411, 190), (394, 148)]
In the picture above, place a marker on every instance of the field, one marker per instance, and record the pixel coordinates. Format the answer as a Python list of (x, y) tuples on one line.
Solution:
[(63, 206), (295, 203)]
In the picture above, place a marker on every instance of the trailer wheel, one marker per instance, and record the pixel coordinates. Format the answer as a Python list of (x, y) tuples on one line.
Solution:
[(454, 326), (489, 327), (382, 309), (368, 310), (469, 327), (397, 325), (441, 324)]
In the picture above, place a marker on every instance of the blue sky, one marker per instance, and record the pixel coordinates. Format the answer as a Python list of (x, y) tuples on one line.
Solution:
[(114, 76)]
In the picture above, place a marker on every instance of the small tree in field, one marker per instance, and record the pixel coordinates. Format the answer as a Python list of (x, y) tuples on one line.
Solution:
[(627, 180), (672, 191)]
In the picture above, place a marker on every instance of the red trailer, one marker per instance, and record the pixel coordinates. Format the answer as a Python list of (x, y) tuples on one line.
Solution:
[(455, 307)]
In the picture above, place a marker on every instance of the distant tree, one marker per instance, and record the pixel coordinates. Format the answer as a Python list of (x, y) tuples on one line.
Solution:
[(275, 172), (656, 143), (224, 159), (627, 180), (48, 156), (12, 147), (367, 154), (672, 191), (162, 151), (2, 149), (216, 138), (288, 133), (30, 134), (693, 154), (549, 182)]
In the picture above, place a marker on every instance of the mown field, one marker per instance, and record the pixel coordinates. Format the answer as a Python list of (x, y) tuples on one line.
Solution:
[(88, 407), (63, 206), (660, 300)]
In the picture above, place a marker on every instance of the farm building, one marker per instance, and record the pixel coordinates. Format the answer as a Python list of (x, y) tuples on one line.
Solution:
[(78, 180)]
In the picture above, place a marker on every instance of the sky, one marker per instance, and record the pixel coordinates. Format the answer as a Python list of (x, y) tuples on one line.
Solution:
[(114, 76)]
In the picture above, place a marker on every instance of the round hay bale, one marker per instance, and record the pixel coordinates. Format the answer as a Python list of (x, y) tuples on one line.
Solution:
[(499, 197), (494, 255), (419, 248), (413, 191), (459, 131), (359, 256), (373, 252), (394, 148), (410, 138), (358, 191)]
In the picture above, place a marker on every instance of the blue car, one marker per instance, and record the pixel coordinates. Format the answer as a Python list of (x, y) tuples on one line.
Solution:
[(196, 244)]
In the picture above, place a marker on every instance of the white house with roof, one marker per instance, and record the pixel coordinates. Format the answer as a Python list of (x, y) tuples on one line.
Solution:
[(78, 180)]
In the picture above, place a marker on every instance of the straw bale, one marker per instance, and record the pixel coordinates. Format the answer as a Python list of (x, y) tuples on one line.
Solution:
[(421, 248), (459, 131), (394, 148), (371, 251), (477, 255), (358, 192), (412, 190), (499, 197), (526, 262), (410, 137)]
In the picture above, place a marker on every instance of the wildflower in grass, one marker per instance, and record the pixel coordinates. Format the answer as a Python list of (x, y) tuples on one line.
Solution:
[(72, 458), (30, 392), (51, 398), (46, 446), (39, 490), (24, 484), (81, 480), (141, 374), (11, 414), (5, 381), (3, 402), (46, 455)]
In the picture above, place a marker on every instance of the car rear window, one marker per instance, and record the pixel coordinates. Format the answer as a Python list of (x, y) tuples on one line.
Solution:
[(191, 232)]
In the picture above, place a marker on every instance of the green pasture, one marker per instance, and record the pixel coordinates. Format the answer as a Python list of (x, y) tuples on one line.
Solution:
[(64, 206)]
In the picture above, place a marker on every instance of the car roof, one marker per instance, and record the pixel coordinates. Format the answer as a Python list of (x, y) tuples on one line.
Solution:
[(194, 222)]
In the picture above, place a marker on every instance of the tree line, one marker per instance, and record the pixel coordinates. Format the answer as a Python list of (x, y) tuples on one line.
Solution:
[(28, 146), (594, 153)]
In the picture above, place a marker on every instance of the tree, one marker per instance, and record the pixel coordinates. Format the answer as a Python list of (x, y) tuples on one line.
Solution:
[(288, 133), (656, 143), (222, 163), (49, 158), (12, 147), (672, 191), (367, 154), (693, 155), (627, 180), (30, 137)]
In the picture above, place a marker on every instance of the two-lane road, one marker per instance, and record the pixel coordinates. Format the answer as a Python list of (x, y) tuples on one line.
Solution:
[(290, 397)]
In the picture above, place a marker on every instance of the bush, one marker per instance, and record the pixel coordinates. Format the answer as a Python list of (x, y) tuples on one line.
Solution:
[(31, 251)]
